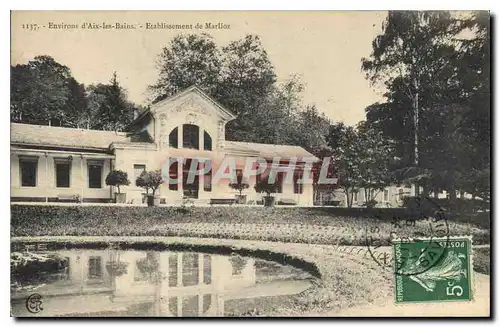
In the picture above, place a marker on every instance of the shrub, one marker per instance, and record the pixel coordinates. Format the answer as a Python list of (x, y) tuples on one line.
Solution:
[(116, 268), (239, 185), (264, 186), (370, 204), (459, 205), (150, 180), (117, 178)]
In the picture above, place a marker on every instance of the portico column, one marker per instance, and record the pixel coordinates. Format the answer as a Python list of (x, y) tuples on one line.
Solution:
[(82, 177), (179, 136), (201, 176), (46, 177), (180, 175), (201, 133)]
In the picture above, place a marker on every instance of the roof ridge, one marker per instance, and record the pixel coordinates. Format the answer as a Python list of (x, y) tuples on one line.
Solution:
[(298, 146), (70, 128)]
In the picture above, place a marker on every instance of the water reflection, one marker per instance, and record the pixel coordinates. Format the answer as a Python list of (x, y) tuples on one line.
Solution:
[(137, 283)]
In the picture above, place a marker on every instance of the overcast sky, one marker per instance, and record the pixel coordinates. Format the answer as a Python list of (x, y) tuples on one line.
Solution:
[(325, 48)]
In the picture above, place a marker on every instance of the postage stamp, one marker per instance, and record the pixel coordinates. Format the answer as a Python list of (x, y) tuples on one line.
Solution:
[(433, 270)]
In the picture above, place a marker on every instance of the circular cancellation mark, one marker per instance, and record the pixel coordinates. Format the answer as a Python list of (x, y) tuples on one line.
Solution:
[(424, 252)]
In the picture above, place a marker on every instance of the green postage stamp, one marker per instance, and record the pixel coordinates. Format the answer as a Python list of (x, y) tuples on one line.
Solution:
[(433, 270)]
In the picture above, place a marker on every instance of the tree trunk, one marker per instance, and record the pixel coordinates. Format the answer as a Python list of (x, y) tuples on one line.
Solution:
[(453, 193), (349, 198), (436, 193)]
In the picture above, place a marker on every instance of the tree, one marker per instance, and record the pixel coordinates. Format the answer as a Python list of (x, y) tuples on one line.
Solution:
[(43, 92), (150, 180), (188, 60), (239, 185), (413, 54), (314, 140), (108, 108), (39, 91), (76, 104), (117, 178), (374, 160), (247, 78), (239, 75), (362, 158), (437, 110), (263, 185), (344, 144)]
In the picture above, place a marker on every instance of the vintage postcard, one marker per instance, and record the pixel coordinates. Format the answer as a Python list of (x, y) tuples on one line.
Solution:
[(250, 164)]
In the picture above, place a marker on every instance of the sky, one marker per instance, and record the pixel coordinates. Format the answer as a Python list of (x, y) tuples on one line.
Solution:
[(323, 48)]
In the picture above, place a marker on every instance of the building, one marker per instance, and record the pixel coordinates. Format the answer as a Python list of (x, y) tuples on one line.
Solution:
[(50, 164)]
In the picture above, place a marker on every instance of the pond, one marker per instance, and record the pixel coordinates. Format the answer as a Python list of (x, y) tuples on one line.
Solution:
[(110, 282)]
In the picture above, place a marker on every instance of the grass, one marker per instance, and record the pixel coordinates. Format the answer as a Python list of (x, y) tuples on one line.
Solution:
[(295, 225), (481, 260)]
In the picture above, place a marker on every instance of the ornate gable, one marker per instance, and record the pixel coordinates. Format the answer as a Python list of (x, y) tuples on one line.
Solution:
[(192, 106)]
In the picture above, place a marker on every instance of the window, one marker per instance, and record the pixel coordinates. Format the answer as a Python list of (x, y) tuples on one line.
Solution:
[(207, 142), (190, 271), (400, 194), (28, 170), (138, 170), (190, 136), (386, 195), (95, 174), (172, 270), (67, 270), (279, 181), (207, 269), (95, 267), (63, 169), (173, 173), (298, 187), (356, 197), (207, 180), (139, 276), (173, 138)]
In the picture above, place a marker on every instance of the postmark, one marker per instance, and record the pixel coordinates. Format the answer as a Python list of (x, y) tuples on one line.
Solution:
[(447, 279), (410, 229)]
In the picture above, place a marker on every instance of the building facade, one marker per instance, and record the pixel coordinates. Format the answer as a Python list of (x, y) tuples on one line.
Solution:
[(50, 164)]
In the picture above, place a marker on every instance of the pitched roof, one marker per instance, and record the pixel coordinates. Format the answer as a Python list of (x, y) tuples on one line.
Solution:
[(268, 150), (63, 136), (42, 135), (192, 88)]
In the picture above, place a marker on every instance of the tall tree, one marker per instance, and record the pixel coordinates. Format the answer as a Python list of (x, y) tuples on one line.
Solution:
[(362, 159), (188, 60), (416, 58), (375, 157), (246, 83), (343, 141), (40, 90), (108, 108)]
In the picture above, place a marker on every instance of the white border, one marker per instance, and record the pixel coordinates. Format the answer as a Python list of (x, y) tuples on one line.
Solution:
[(187, 5)]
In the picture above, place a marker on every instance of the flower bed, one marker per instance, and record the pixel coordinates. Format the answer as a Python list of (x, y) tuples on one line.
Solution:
[(297, 225)]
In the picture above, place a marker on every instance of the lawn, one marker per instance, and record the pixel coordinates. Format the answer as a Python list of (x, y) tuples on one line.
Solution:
[(291, 224)]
